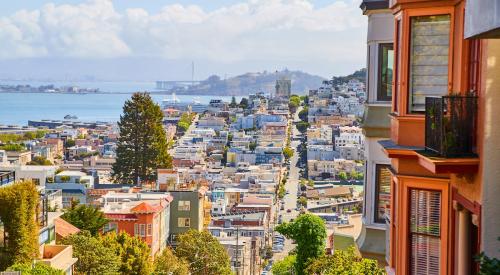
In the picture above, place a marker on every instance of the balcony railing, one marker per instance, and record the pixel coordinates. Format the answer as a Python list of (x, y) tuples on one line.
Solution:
[(450, 125)]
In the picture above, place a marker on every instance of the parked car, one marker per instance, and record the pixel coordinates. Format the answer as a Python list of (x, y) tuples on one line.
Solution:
[(289, 210)]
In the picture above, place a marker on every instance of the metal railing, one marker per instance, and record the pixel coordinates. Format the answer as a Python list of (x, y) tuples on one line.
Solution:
[(450, 125)]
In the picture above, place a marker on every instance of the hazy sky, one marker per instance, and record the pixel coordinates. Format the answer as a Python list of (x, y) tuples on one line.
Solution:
[(221, 36)]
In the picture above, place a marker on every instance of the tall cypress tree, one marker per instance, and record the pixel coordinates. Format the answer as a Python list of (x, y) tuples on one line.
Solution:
[(142, 145)]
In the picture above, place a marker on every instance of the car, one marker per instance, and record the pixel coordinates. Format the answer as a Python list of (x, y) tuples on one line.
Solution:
[(289, 210), (282, 207)]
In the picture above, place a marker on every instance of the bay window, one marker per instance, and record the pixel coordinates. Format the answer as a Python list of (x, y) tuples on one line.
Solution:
[(425, 232), (382, 191), (429, 59)]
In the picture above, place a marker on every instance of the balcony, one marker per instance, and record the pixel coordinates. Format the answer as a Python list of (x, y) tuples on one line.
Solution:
[(450, 125), (450, 134)]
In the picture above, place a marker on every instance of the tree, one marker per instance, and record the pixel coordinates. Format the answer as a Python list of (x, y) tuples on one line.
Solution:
[(252, 145), (142, 145), (203, 252), (309, 232), (183, 126), (343, 262), (285, 266), (15, 147), (69, 143), (244, 103), (303, 114), (18, 208), (310, 183), (305, 99), (168, 264), (35, 269), (38, 160), (93, 256), (488, 265), (133, 252), (294, 103), (302, 201), (287, 153), (85, 217), (233, 103), (267, 252), (342, 175), (302, 126)]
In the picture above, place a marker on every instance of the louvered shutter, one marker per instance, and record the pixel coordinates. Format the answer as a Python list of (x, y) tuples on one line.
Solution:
[(429, 53), (425, 229)]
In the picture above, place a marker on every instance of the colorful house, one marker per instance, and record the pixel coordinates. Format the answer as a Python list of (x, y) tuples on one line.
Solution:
[(444, 142)]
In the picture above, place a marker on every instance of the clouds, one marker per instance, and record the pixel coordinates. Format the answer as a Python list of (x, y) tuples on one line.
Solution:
[(271, 30)]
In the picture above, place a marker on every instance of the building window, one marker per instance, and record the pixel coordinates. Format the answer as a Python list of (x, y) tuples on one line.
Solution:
[(382, 191), (429, 54), (150, 229), (385, 71), (184, 222), (184, 205), (425, 242), (142, 230), (397, 69), (111, 226)]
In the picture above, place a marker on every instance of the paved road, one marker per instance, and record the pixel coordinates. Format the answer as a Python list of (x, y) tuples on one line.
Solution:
[(291, 186)]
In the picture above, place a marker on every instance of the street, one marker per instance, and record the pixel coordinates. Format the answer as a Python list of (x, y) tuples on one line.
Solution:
[(291, 187)]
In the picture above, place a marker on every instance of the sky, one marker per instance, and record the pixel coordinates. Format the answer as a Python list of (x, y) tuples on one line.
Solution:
[(152, 39)]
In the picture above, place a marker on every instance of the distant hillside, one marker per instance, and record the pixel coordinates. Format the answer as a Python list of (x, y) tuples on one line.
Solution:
[(359, 75), (253, 82)]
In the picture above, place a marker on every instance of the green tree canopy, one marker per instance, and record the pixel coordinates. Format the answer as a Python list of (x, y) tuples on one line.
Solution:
[(168, 264), (285, 266), (93, 256), (15, 147), (252, 145), (302, 126), (343, 262), (303, 114), (35, 269), (287, 152), (85, 217), (133, 252), (203, 252), (183, 126), (142, 145), (233, 103), (302, 201), (342, 175), (294, 103), (18, 205), (309, 232), (38, 160), (244, 103)]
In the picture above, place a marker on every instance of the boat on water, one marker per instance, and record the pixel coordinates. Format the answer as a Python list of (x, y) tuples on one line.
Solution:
[(175, 103), (70, 117)]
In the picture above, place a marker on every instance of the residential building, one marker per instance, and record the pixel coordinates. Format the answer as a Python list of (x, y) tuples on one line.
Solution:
[(143, 215), (187, 211), (444, 143), (372, 241)]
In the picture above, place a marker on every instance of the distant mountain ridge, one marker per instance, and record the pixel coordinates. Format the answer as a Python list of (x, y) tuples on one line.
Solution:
[(253, 82)]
